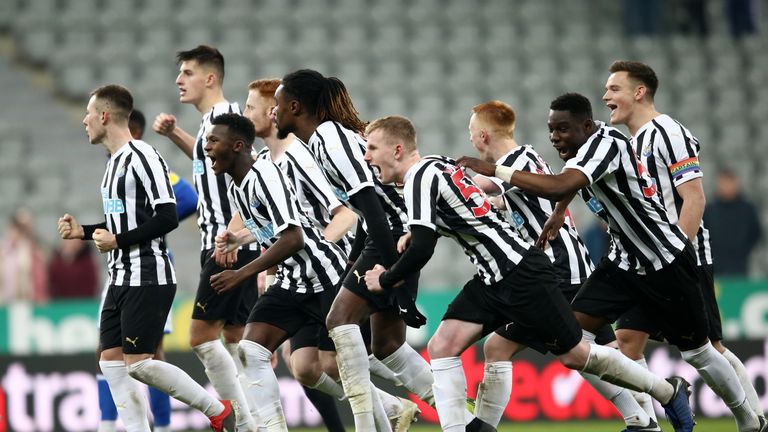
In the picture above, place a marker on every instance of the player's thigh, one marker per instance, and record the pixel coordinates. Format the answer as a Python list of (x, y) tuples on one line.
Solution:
[(453, 337)]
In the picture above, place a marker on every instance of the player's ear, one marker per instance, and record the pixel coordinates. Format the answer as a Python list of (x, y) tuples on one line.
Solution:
[(104, 117)]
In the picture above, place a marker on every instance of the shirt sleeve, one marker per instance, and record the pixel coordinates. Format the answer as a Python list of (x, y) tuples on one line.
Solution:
[(421, 192), (343, 158), (311, 175), (152, 171), (598, 157), (274, 191), (680, 152)]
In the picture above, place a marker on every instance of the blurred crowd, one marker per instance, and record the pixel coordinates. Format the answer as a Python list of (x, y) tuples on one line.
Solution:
[(653, 17), (30, 272)]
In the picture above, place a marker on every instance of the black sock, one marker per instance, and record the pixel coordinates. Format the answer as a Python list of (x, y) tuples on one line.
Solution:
[(325, 404)]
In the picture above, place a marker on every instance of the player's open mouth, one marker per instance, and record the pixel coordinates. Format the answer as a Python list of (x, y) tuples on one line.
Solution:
[(213, 161), (182, 91), (561, 150), (612, 107)]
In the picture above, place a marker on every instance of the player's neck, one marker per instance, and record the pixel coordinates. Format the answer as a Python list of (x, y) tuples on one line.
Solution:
[(306, 128), (276, 145), (116, 138), (642, 115), (241, 167), (210, 99), (501, 147), (408, 162)]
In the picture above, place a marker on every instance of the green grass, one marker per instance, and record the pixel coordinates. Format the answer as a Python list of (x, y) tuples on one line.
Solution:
[(703, 425)]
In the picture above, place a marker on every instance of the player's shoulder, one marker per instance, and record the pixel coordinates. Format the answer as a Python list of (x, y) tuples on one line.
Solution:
[(299, 151), (261, 154), (143, 148)]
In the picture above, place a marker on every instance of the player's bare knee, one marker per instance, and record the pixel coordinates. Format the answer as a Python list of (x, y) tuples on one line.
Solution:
[(306, 374), (577, 357), (496, 348), (439, 347), (631, 343)]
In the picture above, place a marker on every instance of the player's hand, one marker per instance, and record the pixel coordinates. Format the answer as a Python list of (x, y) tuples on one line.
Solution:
[(406, 307), (225, 260), (225, 281), (372, 278), (551, 229), (164, 124), (403, 242), (69, 228), (477, 165), (105, 240), (226, 242)]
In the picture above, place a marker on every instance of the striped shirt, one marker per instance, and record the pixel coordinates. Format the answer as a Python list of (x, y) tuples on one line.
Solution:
[(671, 154), (135, 181), (267, 205), (624, 194), (441, 197), (316, 197), (528, 213), (214, 210), (339, 152)]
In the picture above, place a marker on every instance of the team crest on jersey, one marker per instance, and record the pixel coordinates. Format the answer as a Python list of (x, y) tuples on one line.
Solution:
[(120, 171), (647, 150)]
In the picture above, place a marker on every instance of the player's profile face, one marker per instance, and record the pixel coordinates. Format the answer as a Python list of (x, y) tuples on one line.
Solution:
[(218, 148), (191, 82), (565, 133), (380, 154), (619, 97), (281, 114), (258, 110), (92, 121)]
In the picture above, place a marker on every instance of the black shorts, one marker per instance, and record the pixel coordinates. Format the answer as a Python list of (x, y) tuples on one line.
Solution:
[(312, 335), (291, 311), (133, 317), (521, 334), (635, 319), (355, 280), (670, 297), (232, 306), (529, 298)]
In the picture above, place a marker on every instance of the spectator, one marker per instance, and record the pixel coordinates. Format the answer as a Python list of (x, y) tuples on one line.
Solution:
[(695, 18), (22, 262), (734, 226), (642, 17), (72, 271), (741, 17)]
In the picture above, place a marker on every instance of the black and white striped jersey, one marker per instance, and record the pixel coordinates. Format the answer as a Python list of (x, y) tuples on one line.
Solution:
[(528, 213), (339, 152), (440, 196), (643, 236), (316, 197), (267, 205), (135, 181), (671, 154), (214, 210)]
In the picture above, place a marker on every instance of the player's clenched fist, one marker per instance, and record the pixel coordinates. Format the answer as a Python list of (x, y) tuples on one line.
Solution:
[(226, 242), (164, 124), (69, 228)]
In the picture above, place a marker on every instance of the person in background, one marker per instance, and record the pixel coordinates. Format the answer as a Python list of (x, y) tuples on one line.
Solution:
[(22, 262), (734, 226), (72, 271)]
